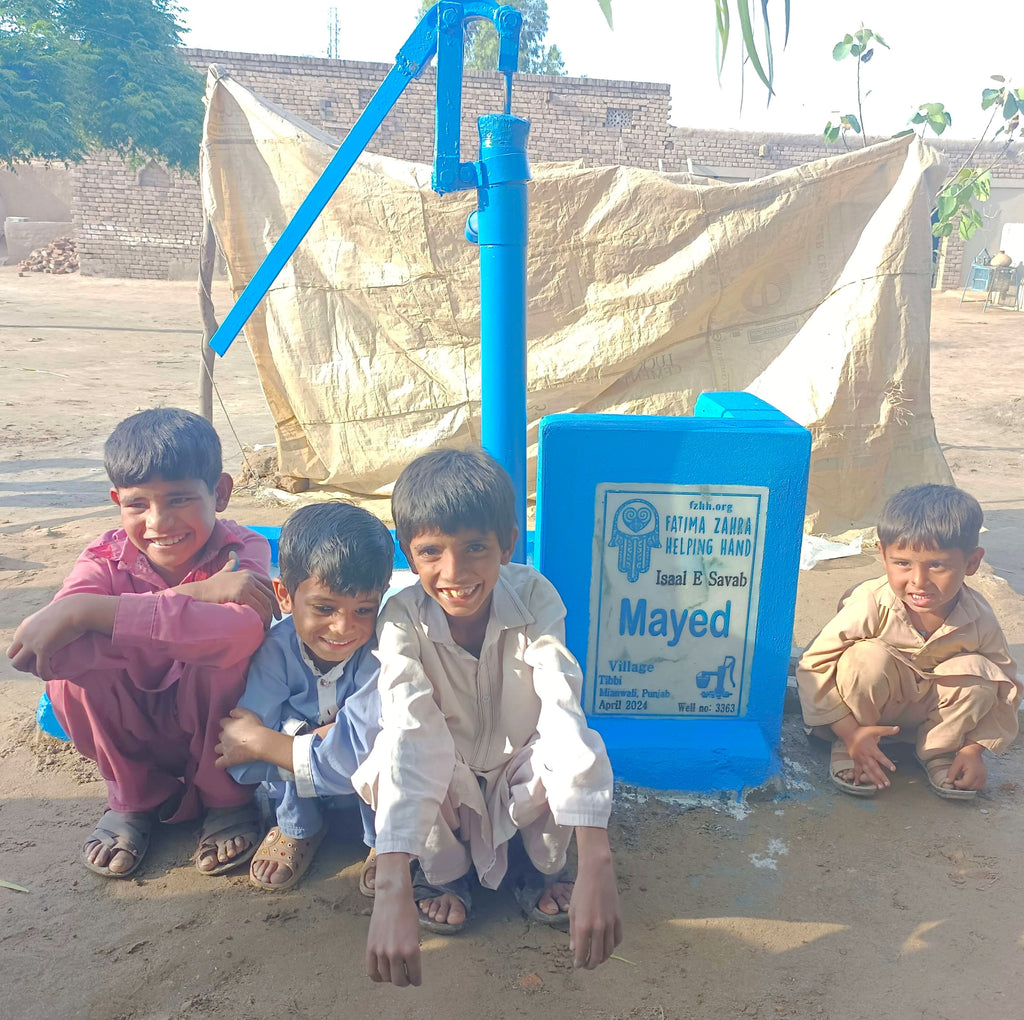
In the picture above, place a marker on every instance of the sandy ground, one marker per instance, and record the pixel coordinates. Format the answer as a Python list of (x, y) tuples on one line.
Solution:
[(797, 903)]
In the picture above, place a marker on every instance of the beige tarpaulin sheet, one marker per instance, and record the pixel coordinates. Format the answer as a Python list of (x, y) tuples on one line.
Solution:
[(810, 288)]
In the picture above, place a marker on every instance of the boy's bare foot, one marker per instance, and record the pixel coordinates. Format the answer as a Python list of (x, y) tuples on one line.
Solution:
[(228, 839), (555, 898), (118, 843), (282, 860), (444, 909), (543, 898), (956, 777), (843, 772)]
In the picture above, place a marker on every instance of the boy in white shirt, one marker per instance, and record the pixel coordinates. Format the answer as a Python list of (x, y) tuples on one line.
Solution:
[(483, 736)]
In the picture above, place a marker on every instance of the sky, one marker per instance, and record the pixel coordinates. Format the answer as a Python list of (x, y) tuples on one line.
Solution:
[(939, 52)]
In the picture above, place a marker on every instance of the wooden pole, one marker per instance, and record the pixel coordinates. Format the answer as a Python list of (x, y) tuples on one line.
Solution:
[(207, 259)]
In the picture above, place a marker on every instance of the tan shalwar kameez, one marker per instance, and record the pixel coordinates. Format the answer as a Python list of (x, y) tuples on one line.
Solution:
[(953, 687), (472, 750)]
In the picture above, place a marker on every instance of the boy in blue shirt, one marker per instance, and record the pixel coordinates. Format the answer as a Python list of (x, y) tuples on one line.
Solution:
[(311, 709)]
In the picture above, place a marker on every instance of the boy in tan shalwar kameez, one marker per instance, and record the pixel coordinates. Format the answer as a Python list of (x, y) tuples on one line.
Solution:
[(916, 650)]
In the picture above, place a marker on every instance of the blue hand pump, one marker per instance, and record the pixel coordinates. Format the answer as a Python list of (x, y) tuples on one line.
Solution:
[(499, 225)]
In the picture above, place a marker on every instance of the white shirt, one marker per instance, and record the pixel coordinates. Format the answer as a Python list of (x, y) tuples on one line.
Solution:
[(442, 708)]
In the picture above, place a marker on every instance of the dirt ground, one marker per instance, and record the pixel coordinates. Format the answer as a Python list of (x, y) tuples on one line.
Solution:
[(798, 903)]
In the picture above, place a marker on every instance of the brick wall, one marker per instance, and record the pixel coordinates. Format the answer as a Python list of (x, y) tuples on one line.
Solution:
[(128, 227), (137, 223), (569, 116), (140, 223), (737, 155)]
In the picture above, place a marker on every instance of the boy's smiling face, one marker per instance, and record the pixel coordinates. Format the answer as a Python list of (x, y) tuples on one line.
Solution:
[(171, 522), (459, 571), (928, 581), (331, 626)]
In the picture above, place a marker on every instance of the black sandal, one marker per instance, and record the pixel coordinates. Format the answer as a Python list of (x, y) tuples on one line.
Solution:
[(424, 890), (530, 885)]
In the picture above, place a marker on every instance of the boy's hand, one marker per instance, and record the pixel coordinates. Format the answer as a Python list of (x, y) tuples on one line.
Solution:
[(869, 760), (42, 634), (968, 771), (240, 738), (393, 944), (243, 587), (595, 927)]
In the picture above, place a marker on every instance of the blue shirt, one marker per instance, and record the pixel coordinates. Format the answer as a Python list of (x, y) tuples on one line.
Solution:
[(286, 690)]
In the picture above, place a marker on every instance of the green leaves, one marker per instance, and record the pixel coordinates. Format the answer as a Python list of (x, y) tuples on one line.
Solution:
[(841, 50), (745, 13), (747, 28), (970, 221), (989, 97), (857, 45), (847, 122), (933, 115), (957, 200), (77, 75)]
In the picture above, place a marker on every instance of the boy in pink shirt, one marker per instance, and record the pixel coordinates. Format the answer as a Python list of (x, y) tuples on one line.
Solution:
[(145, 646)]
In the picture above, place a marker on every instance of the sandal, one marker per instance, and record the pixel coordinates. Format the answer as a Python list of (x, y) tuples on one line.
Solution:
[(293, 852), (528, 889), (839, 761), (120, 830), (423, 890), (370, 864), (936, 770), (221, 824)]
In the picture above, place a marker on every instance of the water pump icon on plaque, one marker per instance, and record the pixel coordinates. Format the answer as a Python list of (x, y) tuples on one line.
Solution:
[(676, 578)]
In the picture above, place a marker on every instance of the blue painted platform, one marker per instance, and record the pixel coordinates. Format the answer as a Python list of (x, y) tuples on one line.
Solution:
[(675, 544)]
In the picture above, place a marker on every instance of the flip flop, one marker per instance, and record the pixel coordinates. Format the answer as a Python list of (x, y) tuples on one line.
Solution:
[(936, 769), (529, 886), (121, 830), (368, 864), (424, 890), (839, 761), (221, 824), (293, 852)]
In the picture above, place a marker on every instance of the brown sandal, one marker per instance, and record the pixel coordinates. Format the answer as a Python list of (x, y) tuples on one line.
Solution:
[(370, 864), (936, 769), (294, 853), (222, 824)]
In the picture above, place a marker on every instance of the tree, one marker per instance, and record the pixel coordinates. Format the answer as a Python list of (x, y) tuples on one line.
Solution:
[(859, 46), (81, 75), (954, 205), (481, 48)]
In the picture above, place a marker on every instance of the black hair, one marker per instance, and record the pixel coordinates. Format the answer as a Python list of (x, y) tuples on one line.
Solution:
[(342, 546), (931, 516), (166, 443), (448, 490)]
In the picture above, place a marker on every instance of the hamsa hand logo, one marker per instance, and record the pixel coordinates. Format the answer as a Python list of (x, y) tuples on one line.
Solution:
[(636, 531)]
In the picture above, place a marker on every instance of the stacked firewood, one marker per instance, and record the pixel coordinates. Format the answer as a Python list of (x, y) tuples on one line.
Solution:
[(58, 257)]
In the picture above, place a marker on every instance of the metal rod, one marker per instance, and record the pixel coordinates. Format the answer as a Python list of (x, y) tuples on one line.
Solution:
[(503, 223)]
